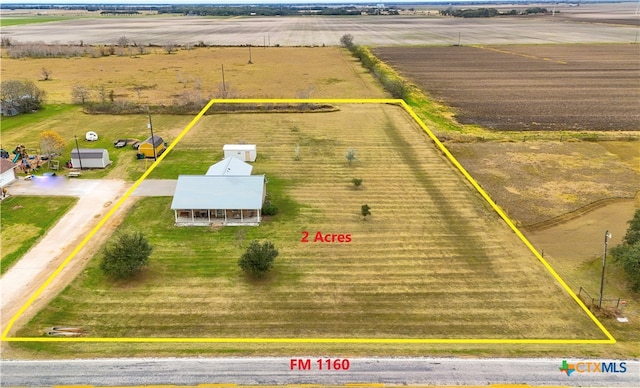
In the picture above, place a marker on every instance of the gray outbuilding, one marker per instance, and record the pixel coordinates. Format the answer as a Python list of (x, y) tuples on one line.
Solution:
[(90, 158)]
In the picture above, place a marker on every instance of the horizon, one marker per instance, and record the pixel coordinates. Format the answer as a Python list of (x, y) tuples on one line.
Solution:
[(286, 2)]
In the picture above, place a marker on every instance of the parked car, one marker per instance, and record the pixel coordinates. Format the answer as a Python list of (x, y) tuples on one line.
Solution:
[(120, 143)]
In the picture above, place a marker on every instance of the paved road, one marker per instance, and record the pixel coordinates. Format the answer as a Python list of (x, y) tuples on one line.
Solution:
[(278, 371), (156, 188)]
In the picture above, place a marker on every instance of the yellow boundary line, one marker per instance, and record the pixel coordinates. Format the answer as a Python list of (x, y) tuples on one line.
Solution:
[(441, 147)]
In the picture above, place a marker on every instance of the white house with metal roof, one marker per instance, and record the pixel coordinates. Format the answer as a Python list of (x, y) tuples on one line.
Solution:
[(230, 166), (201, 200)]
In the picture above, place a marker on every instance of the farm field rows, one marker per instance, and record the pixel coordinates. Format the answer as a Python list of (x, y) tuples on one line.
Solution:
[(433, 261), (327, 30), (529, 87)]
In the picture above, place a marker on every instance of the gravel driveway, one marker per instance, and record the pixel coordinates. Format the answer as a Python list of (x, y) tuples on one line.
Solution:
[(96, 198)]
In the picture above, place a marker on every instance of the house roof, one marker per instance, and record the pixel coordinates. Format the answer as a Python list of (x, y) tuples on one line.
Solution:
[(6, 165), (218, 192), (230, 166), (89, 153), (157, 140)]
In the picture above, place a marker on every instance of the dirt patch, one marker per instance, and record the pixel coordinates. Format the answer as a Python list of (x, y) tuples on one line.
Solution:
[(533, 87)]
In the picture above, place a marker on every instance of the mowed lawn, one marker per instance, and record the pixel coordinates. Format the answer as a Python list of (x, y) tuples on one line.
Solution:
[(25, 220), (432, 260)]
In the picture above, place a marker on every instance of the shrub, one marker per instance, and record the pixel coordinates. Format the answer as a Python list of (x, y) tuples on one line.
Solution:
[(269, 209), (125, 256), (258, 258)]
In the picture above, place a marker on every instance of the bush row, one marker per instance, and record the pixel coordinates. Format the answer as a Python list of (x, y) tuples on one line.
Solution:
[(394, 84)]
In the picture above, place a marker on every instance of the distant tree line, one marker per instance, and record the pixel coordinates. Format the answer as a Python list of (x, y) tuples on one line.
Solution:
[(279, 10), (488, 12)]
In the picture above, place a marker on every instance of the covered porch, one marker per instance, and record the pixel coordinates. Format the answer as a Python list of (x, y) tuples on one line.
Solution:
[(225, 217)]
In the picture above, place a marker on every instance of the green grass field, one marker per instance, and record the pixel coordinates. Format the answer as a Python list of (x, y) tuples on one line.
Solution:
[(70, 122), (25, 220), (432, 261), (7, 21)]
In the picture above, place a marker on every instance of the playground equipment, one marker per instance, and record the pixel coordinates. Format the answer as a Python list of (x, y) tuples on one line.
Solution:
[(21, 154)]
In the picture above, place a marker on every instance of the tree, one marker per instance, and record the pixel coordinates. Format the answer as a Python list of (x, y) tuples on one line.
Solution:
[(629, 257), (351, 156), (364, 210), (628, 253), (23, 95), (357, 182), (52, 143), (258, 258), (126, 255), (123, 41), (170, 48), (633, 233), (80, 94), (347, 41), (46, 74)]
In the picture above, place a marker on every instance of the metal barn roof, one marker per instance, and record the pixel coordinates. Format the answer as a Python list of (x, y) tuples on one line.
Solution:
[(89, 153), (218, 192), (157, 140)]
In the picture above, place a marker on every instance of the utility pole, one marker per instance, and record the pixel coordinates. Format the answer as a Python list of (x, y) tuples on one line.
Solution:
[(607, 236), (153, 139), (224, 88), (78, 150)]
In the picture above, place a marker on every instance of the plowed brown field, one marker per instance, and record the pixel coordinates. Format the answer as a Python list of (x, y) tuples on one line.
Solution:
[(539, 87)]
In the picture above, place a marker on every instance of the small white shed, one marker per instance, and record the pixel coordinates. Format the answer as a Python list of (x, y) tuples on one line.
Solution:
[(244, 152), (90, 158)]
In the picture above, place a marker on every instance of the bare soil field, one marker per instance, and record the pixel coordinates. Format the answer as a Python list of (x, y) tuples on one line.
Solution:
[(532, 87), (324, 30), (161, 78)]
